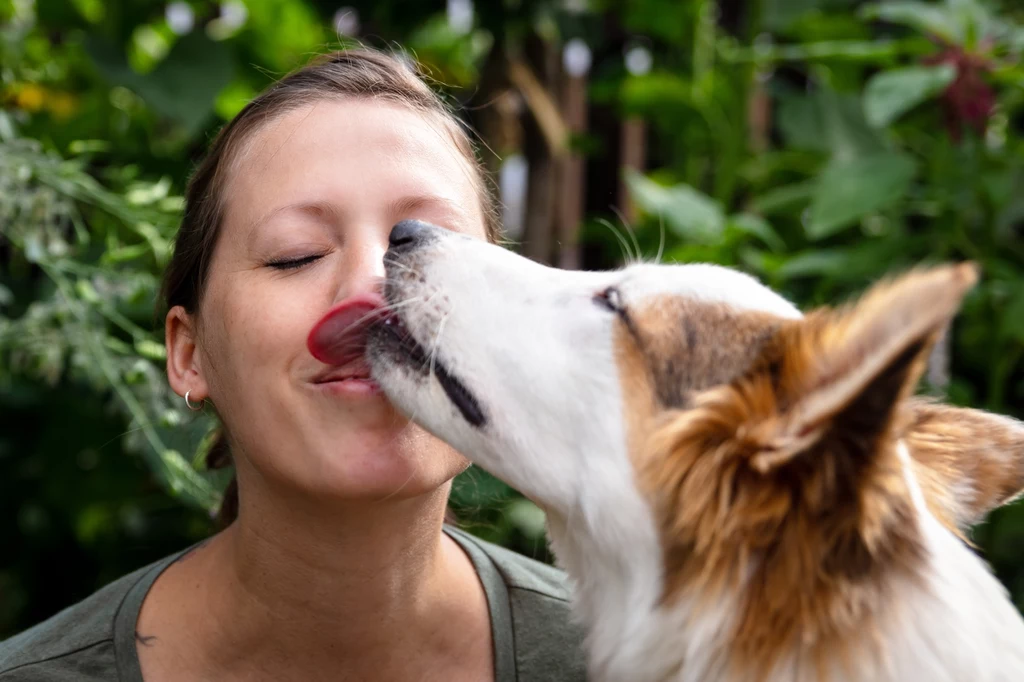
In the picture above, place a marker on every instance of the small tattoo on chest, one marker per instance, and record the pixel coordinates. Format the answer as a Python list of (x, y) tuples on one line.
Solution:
[(145, 640)]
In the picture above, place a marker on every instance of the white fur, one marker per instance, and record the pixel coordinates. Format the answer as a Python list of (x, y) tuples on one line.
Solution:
[(961, 626), (707, 284), (537, 352)]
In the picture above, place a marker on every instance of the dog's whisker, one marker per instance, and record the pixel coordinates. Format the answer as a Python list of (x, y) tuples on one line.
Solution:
[(392, 307), (404, 267), (411, 421), (661, 239), (437, 340), (627, 253), (632, 234)]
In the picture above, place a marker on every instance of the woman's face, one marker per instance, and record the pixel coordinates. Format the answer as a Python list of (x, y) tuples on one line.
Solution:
[(309, 206)]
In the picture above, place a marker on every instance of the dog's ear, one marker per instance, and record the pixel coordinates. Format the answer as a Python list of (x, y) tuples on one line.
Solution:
[(840, 373), (968, 461)]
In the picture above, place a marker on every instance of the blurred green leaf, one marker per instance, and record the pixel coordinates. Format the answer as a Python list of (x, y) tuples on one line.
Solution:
[(126, 253), (78, 147), (857, 51), (233, 98), (846, 129), (749, 223), (184, 86), (527, 517), (850, 190), (285, 33), (144, 194), (892, 93), (92, 10), (656, 92), (829, 122), (785, 198), (187, 482), (800, 121), (1013, 315), (151, 349), (690, 214), (820, 262), (449, 56), (475, 488), (92, 522), (779, 14), (855, 265), (928, 18)]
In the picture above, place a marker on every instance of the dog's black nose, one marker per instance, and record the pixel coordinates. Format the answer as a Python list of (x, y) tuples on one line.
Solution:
[(408, 233)]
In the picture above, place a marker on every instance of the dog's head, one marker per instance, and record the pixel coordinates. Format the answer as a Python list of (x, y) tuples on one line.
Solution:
[(546, 377), (747, 442)]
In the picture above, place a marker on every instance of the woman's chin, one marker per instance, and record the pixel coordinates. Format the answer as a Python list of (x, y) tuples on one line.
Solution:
[(394, 470)]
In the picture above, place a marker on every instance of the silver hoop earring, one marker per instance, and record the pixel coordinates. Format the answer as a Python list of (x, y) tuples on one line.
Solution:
[(194, 408)]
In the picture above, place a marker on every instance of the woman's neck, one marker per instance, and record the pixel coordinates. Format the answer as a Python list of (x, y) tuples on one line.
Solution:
[(368, 559), (357, 590)]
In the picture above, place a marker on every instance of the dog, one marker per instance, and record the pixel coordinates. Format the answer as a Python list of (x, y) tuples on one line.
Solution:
[(737, 491)]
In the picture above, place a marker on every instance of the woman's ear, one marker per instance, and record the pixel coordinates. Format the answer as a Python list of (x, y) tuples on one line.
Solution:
[(184, 369)]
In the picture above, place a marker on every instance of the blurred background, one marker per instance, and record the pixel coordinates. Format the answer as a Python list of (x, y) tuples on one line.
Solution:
[(818, 144)]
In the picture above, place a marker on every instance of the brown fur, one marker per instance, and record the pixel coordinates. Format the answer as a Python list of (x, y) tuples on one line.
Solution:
[(772, 463), (685, 346), (671, 347), (968, 461)]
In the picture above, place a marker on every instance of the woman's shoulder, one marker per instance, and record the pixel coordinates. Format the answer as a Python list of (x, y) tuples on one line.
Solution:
[(548, 642), (79, 642), (523, 573)]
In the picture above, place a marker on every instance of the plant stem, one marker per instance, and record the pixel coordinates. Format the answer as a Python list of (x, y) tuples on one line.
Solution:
[(190, 483)]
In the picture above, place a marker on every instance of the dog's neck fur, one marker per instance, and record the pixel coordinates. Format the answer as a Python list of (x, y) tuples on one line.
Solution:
[(617, 593), (615, 596), (614, 557)]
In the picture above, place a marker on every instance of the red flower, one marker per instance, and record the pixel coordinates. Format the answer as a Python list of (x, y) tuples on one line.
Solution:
[(968, 100)]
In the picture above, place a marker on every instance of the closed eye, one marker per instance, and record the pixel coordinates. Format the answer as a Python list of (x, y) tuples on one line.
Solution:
[(293, 263)]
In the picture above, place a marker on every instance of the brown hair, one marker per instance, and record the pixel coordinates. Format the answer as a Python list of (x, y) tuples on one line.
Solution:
[(353, 73)]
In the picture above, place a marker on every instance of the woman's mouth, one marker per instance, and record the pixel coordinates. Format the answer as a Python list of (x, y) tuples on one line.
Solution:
[(339, 340), (351, 379), (339, 337)]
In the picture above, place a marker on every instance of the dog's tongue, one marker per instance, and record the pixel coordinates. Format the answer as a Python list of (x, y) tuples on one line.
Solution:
[(340, 336)]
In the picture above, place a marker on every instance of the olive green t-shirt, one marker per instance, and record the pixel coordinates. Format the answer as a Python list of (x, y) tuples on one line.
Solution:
[(534, 638)]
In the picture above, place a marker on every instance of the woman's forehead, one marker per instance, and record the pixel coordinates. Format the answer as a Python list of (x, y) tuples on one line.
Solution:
[(353, 150)]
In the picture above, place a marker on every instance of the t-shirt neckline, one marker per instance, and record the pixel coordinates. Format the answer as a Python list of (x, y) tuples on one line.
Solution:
[(129, 668)]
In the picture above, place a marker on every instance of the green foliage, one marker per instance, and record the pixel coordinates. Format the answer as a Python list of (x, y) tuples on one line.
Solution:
[(83, 322), (184, 85), (878, 153), (850, 190), (881, 167), (891, 93)]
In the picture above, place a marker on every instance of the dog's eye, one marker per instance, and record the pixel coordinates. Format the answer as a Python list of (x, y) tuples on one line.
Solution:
[(610, 299)]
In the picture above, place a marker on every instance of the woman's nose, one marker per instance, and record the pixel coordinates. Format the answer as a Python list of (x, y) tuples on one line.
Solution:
[(362, 269)]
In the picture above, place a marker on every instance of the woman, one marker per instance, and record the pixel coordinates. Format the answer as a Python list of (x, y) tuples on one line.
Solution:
[(334, 563)]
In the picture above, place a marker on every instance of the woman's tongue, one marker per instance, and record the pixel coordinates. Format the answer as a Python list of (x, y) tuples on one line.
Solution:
[(339, 338)]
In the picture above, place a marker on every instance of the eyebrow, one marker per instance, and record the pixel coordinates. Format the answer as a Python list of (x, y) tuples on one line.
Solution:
[(405, 205), (321, 210), (325, 211)]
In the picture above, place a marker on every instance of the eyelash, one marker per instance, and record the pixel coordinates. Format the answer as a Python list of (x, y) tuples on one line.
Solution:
[(294, 263)]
